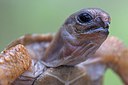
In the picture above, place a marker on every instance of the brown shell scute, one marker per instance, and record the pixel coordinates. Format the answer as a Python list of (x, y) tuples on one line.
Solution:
[(13, 62), (63, 75)]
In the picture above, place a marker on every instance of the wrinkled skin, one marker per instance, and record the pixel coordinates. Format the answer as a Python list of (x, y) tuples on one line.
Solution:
[(48, 60)]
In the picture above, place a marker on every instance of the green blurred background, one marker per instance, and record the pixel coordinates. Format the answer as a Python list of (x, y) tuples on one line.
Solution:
[(19, 17)]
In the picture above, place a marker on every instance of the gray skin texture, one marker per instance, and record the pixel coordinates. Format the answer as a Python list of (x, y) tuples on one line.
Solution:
[(54, 57)]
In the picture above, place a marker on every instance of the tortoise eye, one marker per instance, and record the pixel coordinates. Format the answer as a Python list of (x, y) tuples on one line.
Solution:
[(84, 18)]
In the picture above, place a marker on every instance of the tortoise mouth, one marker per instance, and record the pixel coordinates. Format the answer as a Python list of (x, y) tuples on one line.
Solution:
[(101, 29), (91, 30)]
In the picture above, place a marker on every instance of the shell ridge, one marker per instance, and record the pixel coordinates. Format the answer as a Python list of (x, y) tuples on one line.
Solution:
[(77, 78), (56, 77)]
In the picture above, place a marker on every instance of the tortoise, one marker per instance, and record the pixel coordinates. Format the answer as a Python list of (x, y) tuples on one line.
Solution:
[(79, 54)]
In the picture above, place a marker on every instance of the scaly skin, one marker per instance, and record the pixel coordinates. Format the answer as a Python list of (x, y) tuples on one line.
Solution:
[(13, 62)]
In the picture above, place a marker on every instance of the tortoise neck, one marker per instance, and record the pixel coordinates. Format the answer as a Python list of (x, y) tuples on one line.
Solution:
[(53, 51), (58, 50)]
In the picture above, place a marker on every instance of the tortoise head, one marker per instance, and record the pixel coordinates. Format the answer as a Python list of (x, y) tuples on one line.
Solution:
[(88, 25), (79, 37)]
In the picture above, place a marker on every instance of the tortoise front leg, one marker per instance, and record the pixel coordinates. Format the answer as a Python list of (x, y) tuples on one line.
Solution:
[(13, 62), (114, 54)]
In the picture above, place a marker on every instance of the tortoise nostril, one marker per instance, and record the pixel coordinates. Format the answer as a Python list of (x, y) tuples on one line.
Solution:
[(106, 25)]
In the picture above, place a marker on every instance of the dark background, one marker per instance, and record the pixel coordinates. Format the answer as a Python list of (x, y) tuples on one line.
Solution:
[(19, 17)]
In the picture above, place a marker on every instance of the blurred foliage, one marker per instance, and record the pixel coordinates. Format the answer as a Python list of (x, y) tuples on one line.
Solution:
[(19, 17)]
